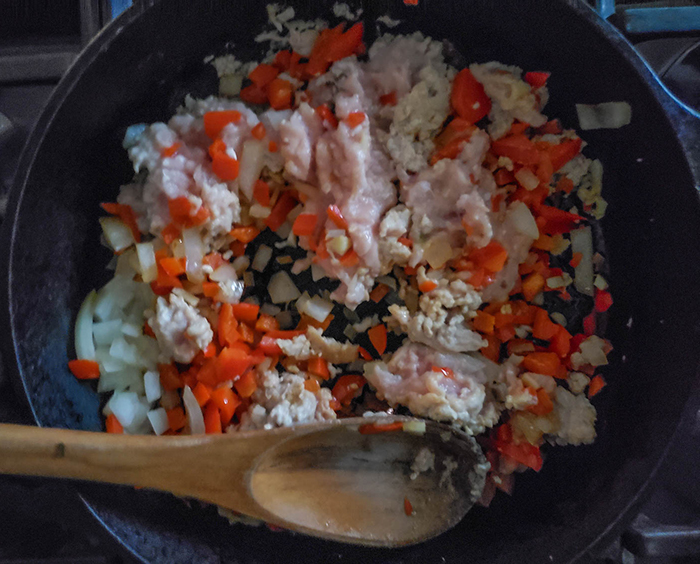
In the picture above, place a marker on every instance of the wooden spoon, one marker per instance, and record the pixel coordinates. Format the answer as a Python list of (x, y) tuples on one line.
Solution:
[(346, 480)]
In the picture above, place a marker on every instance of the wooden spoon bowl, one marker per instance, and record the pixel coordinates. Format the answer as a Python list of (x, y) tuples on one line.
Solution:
[(360, 480)]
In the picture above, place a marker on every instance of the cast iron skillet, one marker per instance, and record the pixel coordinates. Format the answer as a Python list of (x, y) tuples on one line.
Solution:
[(140, 68)]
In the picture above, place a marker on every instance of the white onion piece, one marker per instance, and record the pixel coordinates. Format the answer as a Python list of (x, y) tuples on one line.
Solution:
[(259, 212), (438, 251), (106, 331), (317, 272), (523, 221), (270, 309), (240, 264), (120, 380), (415, 427), (124, 351), (195, 417), (593, 351), (582, 242), (117, 233), (262, 258), (608, 115), (127, 264), (84, 345), (194, 253), (251, 166), (332, 233), (527, 179), (284, 230), (126, 407), (159, 420), (151, 384), (282, 289), (147, 262), (107, 362), (285, 319), (131, 329), (317, 308), (226, 272)]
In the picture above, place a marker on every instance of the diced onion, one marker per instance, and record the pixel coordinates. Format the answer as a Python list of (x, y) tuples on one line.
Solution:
[(131, 330), (106, 331), (285, 319), (258, 211), (124, 351), (230, 85), (117, 233), (269, 309), (195, 417), (608, 115), (224, 273), (120, 380), (151, 384), (317, 308), (127, 408), (262, 258), (523, 221), (317, 272), (282, 289), (527, 179), (194, 253), (251, 166), (147, 262), (84, 345), (159, 420), (582, 242), (240, 264), (438, 251), (339, 245), (284, 230), (415, 427), (107, 362)]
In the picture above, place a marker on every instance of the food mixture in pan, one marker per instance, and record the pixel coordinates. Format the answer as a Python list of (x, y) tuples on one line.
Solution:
[(348, 229)]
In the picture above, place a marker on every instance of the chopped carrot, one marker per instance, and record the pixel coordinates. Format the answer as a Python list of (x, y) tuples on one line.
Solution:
[(378, 337), (284, 205), (212, 420), (354, 119), (280, 93), (246, 312), (543, 327), (492, 350), (261, 193), (376, 428), (532, 285), (542, 363), (227, 326), (319, 367), (210, 289), (326, 115), (258, 132), (492, 257), (560, 342), (336, 216), (388, 99), (170, 233), (565, 184), (407, 507), (169, 377), (305, 224), (202, 393), (444, 370), (214, 122), (427, 286), (484, 322), (84, 369), (350, 258), (246, 384), (312, 385), (226, 400), (348, 387), (596, 384), (266, 323), (253, 94), (378, 293), (468, 97), (263, 74), (544, 403), (536, 79), (603, 300), (173, 266), (112, 425), (176, 418), (170, 151)]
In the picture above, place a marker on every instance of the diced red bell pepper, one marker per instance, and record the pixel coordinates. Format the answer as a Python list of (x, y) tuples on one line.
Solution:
[(469, 98), (518, 148)]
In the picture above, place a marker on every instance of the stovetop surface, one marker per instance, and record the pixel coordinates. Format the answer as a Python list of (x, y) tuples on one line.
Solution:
[(44, 521)]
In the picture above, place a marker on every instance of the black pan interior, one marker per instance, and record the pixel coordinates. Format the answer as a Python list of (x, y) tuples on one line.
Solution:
[(141, 67)]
